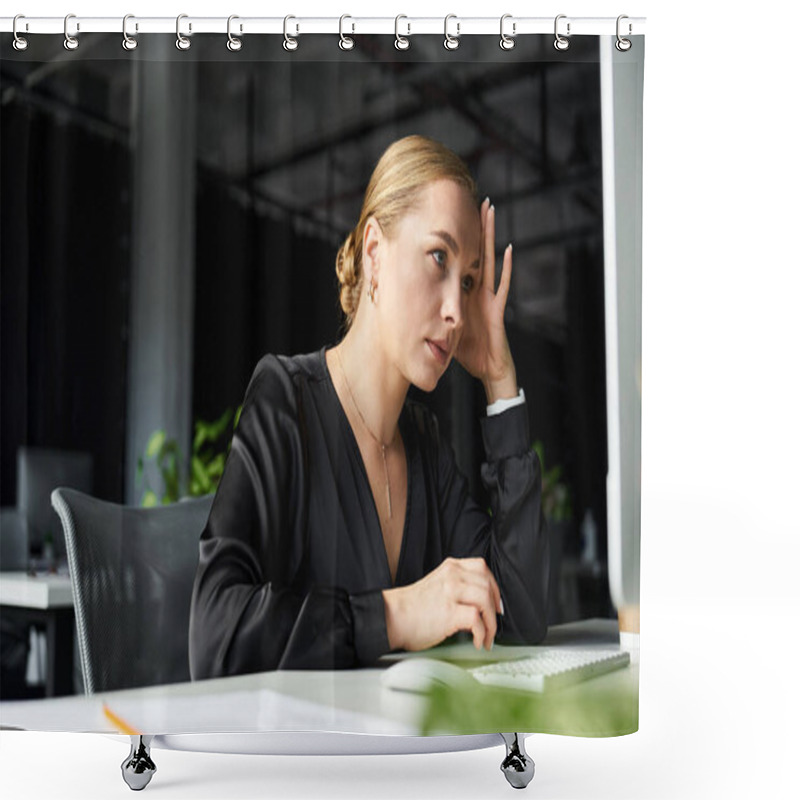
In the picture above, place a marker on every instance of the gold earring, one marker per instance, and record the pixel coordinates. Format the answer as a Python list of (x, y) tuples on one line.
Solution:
[(371, 290)]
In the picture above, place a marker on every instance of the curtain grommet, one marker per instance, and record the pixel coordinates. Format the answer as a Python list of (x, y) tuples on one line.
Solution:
[(451, 42), (234, 44), (70, 42), (128, 42), (622, 44), (401, 42), (507, 41), (182, 43), (561, 43), (20, 42), (346, 42), (289, 43)]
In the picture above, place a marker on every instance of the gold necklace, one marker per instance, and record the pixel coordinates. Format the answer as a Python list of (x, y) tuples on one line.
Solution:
[(364, 423)]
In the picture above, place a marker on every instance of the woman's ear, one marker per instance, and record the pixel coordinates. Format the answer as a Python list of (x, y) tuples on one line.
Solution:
[(373, 236)]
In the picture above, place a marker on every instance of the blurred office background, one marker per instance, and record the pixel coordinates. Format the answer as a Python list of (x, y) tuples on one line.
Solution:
[(170, 217)]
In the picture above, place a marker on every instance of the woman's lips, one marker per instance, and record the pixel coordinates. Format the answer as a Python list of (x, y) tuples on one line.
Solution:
[(439, 353)]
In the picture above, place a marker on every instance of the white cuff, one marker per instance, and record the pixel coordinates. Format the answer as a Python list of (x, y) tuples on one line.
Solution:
[(499, 406)]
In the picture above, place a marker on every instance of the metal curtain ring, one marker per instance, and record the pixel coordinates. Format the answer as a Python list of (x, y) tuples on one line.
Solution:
[(128, 42), (20, 42), (288, 42), (401, 42), (623, 44), (507, 42), (182, 43), (233, 43), (70, 42), (561, 42), (345, 42), (451, 42)]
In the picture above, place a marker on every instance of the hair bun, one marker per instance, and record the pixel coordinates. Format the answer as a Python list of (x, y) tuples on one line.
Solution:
[(346, 272)]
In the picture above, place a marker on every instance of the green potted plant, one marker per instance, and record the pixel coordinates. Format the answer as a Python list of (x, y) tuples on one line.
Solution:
[(557, 506), (556, 498), (206, 464)]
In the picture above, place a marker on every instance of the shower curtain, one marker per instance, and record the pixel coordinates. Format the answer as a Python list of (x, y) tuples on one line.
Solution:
[(171, 215)]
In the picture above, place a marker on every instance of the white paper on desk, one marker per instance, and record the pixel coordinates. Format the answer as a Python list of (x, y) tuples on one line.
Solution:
[(246, 711)]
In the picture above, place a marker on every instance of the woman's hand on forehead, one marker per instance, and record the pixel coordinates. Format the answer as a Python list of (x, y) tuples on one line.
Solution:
[(483, 350)]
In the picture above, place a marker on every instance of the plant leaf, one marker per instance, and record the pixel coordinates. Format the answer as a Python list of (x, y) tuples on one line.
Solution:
[(217, 428), (200, 435), (216, 467), (155, 443), (199, 473), (171, 478)]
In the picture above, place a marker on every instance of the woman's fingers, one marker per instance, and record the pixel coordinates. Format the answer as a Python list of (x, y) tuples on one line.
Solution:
[(479, 595), (484, 208), (460, 594), (468, 618), (478, 590), (505, 277), (479, 567), (473, 585), (487, 279), (482, 213)]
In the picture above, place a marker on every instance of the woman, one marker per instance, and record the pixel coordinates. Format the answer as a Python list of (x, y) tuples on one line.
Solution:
[(342, 528)]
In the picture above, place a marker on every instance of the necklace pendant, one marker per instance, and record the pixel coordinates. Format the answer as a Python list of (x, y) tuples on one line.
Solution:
[(388, 486)]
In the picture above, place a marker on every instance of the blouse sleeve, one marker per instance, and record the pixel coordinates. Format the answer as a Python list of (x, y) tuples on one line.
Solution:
[(512, 537), (246, 614)]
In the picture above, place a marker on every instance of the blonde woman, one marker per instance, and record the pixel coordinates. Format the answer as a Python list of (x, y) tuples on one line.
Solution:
[(342, 528)]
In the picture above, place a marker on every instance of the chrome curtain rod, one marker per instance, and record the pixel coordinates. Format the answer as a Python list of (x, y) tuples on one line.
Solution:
[(454, 26)]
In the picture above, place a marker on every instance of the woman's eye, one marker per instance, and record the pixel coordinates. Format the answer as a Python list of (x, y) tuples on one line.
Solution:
[(467, 283), (442, 254)]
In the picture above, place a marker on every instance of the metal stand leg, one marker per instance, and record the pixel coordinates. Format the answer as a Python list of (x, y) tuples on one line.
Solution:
[(138, 768), (518, 766)]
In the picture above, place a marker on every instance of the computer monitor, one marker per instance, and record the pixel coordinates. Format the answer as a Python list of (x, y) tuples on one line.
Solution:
[(13, 540), (620, 81), (39, 471)]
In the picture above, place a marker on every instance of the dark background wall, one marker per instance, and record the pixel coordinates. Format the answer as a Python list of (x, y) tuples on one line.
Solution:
[(285, 147), (63, 292)]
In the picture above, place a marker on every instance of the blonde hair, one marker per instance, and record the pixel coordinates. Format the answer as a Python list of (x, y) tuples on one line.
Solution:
[(406, 167)]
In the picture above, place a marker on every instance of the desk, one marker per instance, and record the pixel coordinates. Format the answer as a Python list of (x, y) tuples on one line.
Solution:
[(44, 600), (351, 701)]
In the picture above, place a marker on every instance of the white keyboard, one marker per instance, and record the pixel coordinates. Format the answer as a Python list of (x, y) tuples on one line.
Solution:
[(552, 667)]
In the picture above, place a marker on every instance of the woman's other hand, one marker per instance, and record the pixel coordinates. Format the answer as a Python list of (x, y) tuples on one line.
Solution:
[(461, 594), (483, 350)]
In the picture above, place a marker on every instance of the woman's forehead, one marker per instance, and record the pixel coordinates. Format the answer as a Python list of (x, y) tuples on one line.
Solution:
[(446, 207)]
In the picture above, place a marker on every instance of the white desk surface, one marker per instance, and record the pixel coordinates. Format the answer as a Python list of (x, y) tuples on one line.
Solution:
[(352, 701), (42, 590)]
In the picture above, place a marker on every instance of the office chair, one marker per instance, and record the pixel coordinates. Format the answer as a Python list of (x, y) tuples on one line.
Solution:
[(132, 572)]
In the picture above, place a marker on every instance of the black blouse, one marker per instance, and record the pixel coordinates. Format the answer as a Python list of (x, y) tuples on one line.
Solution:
[(292, 560)]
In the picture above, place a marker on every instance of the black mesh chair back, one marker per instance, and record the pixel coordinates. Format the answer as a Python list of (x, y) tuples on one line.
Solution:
[(132, 571)]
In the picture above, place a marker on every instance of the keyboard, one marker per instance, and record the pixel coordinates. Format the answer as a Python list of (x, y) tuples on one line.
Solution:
[(552, 668)]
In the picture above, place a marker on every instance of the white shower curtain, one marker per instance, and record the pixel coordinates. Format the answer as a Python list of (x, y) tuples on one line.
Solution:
[(172, 215)]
